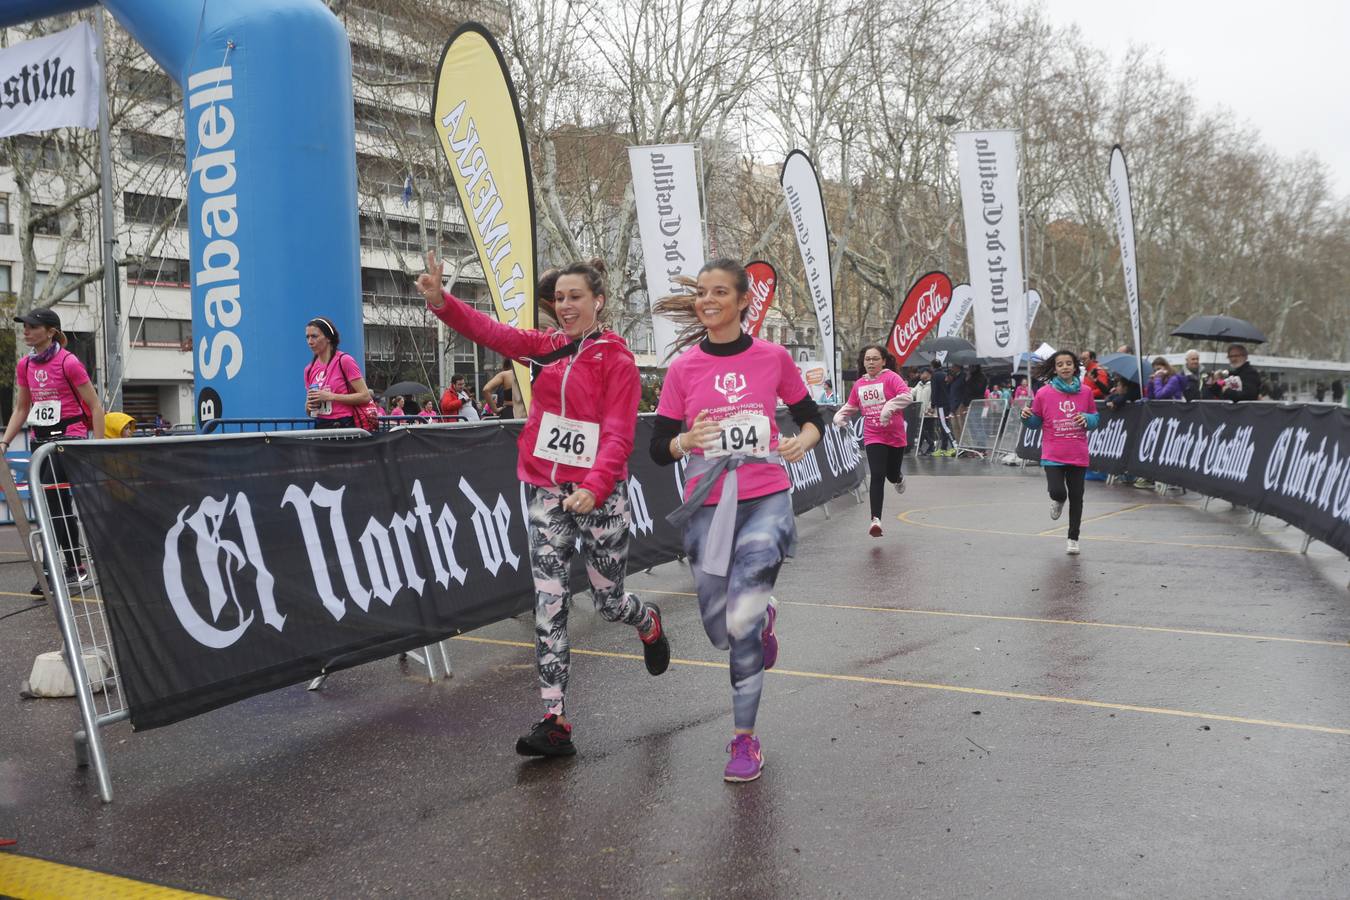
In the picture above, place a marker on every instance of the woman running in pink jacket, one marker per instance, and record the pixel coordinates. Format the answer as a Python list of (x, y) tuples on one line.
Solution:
[(573, 454)]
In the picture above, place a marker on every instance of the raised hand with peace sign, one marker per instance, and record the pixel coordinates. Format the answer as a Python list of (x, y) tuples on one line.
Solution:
[(429, 282)]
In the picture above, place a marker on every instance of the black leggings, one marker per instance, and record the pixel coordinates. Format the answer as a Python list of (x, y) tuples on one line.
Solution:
[(62, 508), (883, 462), (1066, 483)]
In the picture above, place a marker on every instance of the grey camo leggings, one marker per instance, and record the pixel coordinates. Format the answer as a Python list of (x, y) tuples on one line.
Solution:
[(733, 608), (553, 540)]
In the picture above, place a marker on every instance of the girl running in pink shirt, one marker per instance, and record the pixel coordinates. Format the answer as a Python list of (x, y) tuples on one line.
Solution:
[(717, 412), (1065, 411), (882, 395)]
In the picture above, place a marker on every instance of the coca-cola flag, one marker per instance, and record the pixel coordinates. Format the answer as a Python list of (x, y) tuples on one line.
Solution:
[(763, 281), (924, 305)]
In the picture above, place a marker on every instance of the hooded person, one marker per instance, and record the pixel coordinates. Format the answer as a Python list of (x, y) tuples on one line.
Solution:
[(118, 425)]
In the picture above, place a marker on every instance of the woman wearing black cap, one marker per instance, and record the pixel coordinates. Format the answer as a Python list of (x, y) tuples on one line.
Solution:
[(334, 385), (57, 401)]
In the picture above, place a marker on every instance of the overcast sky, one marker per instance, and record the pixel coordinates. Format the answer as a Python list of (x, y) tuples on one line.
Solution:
[(1278, 65)]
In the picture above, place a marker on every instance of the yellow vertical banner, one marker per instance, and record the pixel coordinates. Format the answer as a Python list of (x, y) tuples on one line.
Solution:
[(477, 117)]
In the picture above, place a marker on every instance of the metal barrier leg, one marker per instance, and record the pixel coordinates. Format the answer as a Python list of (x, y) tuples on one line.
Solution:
[(93, 742), (1307, 542)]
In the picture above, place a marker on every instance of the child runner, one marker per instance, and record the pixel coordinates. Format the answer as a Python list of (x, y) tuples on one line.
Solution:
[(718, 409), (881, 394), (573, 454), (1066, 412)]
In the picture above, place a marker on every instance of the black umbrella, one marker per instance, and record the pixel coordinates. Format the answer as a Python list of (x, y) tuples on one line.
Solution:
[(1220, 328), (961, 357), (406, 389), (1126, 365), (919, 358), (945, 343)]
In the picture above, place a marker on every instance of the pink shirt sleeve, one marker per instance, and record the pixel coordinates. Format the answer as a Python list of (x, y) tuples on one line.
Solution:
[(671, 404), (74, 370), (350, 370), (791, 388)]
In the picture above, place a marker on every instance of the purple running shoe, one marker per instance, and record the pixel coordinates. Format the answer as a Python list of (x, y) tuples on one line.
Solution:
[(746, 760)]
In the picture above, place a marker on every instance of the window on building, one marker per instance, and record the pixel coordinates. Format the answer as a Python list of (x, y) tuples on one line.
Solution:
[(44, 223), (39, 150), (388, 120), (138, 146), (150, 209), (148, 84), (385, 286), (175, 333), (62, 291), (6, 286), (6, 227), (159, 270)]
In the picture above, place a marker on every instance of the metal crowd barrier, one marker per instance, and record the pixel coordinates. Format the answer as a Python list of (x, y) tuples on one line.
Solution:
[(984, 421), (79, 604), (1011, 430)]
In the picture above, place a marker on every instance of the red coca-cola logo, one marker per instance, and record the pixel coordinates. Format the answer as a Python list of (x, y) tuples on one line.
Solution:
[(924, 305), (763, 281)]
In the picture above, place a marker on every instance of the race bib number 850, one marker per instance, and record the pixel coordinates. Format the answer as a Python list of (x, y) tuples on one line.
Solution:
[(871, 394), (571, 442), (746, 434)]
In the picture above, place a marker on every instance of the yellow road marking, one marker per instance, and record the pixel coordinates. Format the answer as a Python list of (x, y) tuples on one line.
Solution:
[(1126, 509), (953, 688), (904, 517), (1161, 629), (38, 879)]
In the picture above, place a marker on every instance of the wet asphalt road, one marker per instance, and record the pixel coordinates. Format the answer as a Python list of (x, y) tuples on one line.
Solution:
[(959, 710)]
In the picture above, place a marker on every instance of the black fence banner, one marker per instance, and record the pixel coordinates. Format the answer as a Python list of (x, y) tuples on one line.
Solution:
[(233, 567), (1287, 461), (1107, 444)]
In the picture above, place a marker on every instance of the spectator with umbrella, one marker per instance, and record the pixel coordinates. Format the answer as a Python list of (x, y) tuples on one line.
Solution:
[(1240, 382)]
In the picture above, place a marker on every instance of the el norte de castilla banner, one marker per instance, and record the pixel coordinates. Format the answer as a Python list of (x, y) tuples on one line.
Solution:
[(670, 223), (50, 82), (806, 211), (987, 162), (478, 121), (233, 567), (1292, 462)]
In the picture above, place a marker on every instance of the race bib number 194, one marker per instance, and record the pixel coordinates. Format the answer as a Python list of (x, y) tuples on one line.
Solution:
[(746, 434), (571, 442)]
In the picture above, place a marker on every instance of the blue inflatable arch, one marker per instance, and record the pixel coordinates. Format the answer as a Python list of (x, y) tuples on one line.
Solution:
[(272, 207)]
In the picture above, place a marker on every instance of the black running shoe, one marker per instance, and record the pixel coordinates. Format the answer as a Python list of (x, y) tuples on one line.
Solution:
[(656, 647), (36, 590), (547, 738)]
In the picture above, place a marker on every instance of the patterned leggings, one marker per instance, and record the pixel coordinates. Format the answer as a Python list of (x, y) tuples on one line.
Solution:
[(733, 608), (553, 540)]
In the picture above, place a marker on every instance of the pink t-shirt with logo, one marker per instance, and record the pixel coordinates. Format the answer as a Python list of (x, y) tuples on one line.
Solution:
[(56, 381), (1063, 440), (870, 395), (752, 381), (330, 377)]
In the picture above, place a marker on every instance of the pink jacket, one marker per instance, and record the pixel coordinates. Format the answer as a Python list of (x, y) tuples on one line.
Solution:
[(599, 383)]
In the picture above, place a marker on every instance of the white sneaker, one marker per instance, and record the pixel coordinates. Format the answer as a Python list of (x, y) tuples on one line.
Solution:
[(1056, 508), (875, 530), (1072, 549), (900, 486)]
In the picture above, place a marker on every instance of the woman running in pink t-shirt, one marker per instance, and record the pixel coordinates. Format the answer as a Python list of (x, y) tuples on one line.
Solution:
[(718, 412), (882, 396), (1065, 411)]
